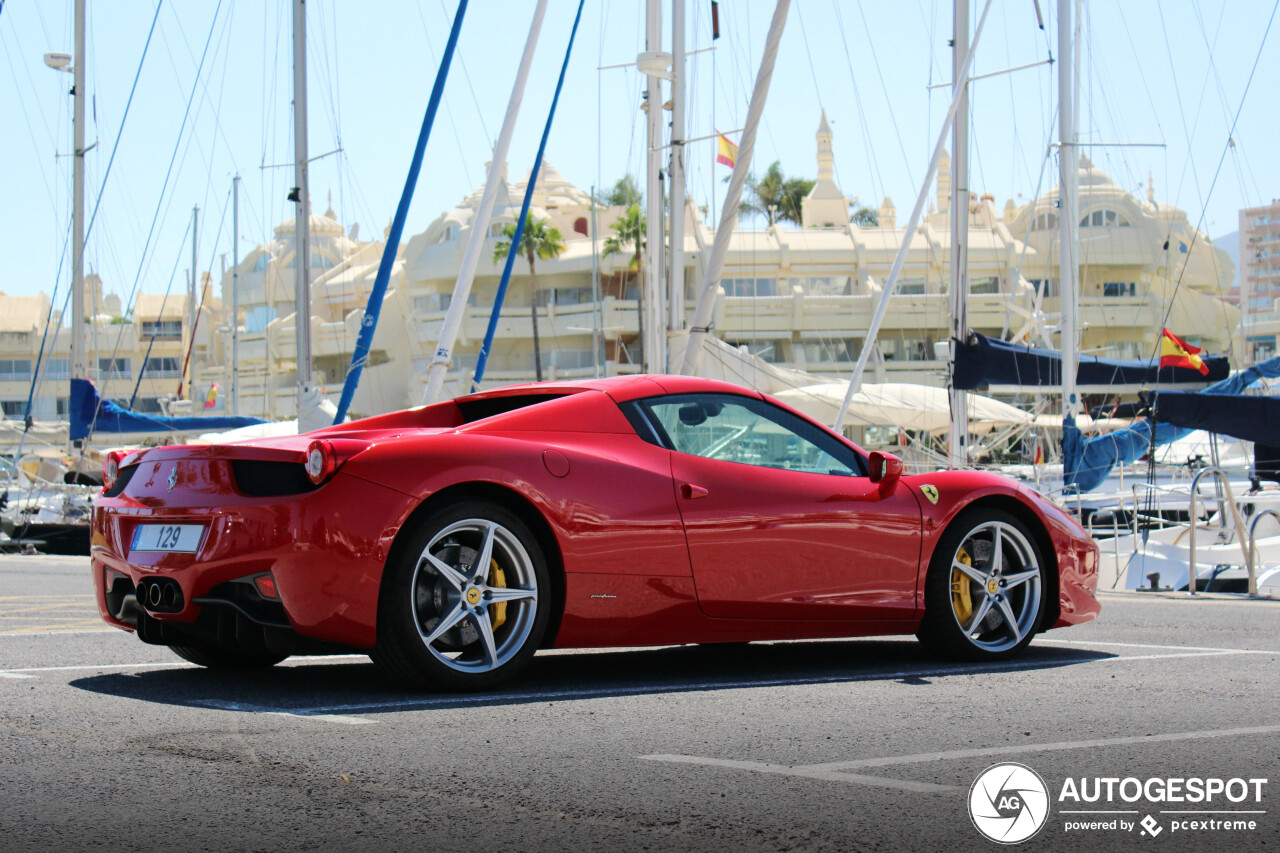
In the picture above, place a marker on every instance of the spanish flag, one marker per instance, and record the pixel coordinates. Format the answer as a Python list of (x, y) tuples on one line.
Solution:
[(1175, 352), (726, 152), (211, 399)]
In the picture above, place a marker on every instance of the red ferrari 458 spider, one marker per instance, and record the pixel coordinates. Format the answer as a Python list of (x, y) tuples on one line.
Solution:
[(453, 541)]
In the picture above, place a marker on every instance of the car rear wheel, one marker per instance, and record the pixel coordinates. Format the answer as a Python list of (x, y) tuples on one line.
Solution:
[(214, 657), (465, 606), (984, 594)]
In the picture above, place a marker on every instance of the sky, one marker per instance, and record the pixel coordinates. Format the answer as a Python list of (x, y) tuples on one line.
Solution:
[(1162, 84)]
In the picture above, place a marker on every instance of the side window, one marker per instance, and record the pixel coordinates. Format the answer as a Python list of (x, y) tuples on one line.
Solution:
[(747, 431)]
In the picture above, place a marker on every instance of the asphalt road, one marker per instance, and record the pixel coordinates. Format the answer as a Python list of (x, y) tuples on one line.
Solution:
[(107, 743)]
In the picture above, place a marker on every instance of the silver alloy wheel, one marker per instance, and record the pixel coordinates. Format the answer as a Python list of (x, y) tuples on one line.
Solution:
[(474, 595), (995, 586)]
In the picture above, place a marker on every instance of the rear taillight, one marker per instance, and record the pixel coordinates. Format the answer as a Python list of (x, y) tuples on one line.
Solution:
[(321, 460), (266, 584), (111, 468)]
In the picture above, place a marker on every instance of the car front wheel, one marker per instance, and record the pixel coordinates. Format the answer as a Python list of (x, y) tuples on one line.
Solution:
[(466, 604), (984, 594)]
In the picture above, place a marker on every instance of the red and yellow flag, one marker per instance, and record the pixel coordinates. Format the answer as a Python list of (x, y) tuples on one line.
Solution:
[(1175, 352), (726, 151), (211, 399)]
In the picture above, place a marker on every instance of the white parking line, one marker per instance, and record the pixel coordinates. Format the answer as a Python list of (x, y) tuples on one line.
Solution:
[(1056, 641), (105, 667), (241, 707), (86, 630), (838, 771)]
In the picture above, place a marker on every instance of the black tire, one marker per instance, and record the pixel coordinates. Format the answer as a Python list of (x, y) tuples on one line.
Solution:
[(444, 630), (954, 599), (214, 657)]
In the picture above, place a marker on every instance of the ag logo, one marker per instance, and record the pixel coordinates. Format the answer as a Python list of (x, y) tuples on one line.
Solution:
[(1008, 803), (930, 492)]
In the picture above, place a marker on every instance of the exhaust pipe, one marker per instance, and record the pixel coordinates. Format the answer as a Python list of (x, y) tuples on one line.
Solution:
[(155, 595)]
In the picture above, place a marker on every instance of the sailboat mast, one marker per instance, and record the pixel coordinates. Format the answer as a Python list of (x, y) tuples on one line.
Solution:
[(301, 195), (235, 295), (78, 366), (192, 295), (675, 288), (959, 289), (1068, 225), (653, 358)]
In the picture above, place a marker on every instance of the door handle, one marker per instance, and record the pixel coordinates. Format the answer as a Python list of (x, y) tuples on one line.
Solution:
[(690, 491)]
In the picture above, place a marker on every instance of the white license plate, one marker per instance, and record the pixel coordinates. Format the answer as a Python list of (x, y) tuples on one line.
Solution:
[(183, 538)]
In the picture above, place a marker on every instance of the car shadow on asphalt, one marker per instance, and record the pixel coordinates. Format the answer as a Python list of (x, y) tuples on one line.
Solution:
[(317, 687)]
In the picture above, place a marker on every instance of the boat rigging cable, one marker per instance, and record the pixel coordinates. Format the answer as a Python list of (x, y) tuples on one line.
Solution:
[(133, 398), (369, 323), (1217, 172), (514, 250)]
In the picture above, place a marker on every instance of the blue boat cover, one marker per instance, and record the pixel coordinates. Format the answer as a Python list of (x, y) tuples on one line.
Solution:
[(91, 413), (1250, 418), (989, 361), (1220, 408)]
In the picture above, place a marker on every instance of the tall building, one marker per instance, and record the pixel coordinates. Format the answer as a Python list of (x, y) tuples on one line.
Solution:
[(1260, 279)]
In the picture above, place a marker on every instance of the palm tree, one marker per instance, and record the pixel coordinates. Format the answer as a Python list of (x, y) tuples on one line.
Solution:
[(540, 239), (629, 237), (776, 196), (623, 193)]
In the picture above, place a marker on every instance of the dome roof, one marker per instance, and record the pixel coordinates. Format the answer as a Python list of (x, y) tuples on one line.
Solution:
[(317, 224)]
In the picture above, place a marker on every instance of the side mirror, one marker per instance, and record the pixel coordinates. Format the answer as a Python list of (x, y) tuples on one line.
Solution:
[(885, 470)]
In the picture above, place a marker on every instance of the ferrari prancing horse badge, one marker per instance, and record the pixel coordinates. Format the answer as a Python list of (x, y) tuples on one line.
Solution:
[(930, 492)]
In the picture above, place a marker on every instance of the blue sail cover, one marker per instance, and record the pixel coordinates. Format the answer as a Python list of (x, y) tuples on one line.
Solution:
[(1220, 408), (989, 361), (1250, 418), (91, 413)]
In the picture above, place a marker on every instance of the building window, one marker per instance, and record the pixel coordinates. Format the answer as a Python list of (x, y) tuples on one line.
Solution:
[(432, 302), (907, 349), (260, 265), (162, 367), (825, 285), (911, 286), (1045, 286), (749, 286), (1260, 303), (61, 407), (147, 405), (15, 370), (14, 408), (495, 229), (257, 318), (1104, 218), (115, 368), (57, 368), (834, 350), (15, 339), (580, 225), (565, 296), (1046, 221), (450, 233), (161, 330), (1119, 288), (984, 284)]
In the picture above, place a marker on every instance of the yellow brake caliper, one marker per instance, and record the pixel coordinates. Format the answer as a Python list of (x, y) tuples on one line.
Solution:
[(960, 600), (498, 611)]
